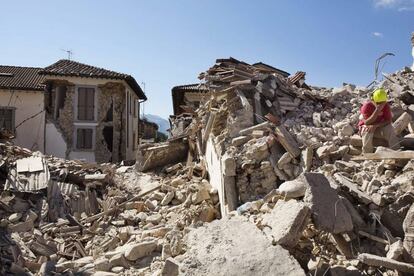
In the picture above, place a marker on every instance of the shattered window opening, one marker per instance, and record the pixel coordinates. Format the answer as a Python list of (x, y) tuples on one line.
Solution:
[(84, 138), (7, 115)]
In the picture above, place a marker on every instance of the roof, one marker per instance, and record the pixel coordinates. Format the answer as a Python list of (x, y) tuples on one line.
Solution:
[(21, 78), (196, 87), (271, 68), (177, 93), (65, 67)]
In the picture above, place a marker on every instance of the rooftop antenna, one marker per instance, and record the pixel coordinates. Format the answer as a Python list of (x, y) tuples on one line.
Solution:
[(69, 52)]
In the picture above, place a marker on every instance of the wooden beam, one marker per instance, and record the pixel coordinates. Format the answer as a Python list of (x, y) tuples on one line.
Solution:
[(397, 155), (353, 188), (208, 129), (287, 141)]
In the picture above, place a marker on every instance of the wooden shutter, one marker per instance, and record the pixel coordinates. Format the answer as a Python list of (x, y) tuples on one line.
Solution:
[(86, 104), (90, 104), (79, 139), (84, 138), (81, 103), (88, 138)]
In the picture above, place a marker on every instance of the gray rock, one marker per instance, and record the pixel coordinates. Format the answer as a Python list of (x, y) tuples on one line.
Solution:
[(171, 268), (287, 221), (328, 211), (235, 247)]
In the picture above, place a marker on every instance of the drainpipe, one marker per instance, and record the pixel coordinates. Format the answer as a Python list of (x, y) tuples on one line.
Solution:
[(139, 107)]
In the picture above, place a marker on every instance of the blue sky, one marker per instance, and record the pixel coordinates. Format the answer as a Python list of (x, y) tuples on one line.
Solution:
[(167, 43)]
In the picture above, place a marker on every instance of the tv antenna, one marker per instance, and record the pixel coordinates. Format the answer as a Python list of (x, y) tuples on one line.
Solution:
[(69, 52)]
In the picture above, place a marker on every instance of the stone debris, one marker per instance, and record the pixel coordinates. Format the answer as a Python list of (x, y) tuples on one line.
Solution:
[(94, 219), (264, 176), (286, 222)]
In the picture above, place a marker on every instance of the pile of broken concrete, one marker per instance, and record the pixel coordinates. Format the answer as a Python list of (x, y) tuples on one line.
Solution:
[(60, 217), (289, 159)]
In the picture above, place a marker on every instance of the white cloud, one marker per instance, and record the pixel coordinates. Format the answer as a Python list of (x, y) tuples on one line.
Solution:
[(378, 34), (385, 3), (399, 5)]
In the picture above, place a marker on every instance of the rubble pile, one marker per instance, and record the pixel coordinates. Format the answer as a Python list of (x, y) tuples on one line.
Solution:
[(279, 160), (289, 158), (64, 217)]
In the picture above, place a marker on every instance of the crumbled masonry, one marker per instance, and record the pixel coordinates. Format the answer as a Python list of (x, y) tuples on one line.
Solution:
[(265, 177)]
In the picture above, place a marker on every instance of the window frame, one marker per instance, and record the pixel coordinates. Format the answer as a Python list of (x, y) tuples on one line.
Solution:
[(13, 119), (95, 107)]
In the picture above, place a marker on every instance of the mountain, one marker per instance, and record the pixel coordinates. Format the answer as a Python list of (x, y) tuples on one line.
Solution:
[(162, 123)]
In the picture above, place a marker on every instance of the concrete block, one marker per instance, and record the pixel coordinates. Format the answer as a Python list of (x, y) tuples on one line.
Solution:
[(328, 211), (292, 189), (287, 221), (138, 250)]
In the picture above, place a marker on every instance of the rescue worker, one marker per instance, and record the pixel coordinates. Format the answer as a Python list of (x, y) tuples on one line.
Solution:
[(376, 121)]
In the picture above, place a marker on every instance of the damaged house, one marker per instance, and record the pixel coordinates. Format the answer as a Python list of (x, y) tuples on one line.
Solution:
[(21, 98), (84, 112)]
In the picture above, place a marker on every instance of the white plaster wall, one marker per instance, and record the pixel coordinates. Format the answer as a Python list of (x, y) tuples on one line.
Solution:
[(214, 170), (55, 144), (27, 103)]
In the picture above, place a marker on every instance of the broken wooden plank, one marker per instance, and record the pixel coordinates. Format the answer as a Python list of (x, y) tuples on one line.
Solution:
[(353, 188), (398, 155), (378, 261), (260, 126), (122, 205), (287, 141), (372, 237), (241, 82)]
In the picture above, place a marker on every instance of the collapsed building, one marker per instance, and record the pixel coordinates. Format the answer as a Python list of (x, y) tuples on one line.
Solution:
[(263, 174)]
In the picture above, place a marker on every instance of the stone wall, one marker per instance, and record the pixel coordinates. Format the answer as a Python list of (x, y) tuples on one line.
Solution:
[(65, 120), (112, 95)]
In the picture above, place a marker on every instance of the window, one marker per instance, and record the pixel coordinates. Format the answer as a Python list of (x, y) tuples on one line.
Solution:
[(86, 104), (135, 108), (84, 138), (7, 118)]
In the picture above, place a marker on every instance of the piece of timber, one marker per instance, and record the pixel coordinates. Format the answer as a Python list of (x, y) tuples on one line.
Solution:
[(122, 205), (353, 188), (374, 260), (249, 130), (208, 129), (287, 141), (398, 155)]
